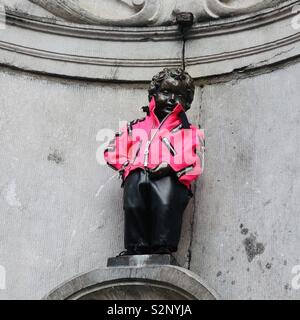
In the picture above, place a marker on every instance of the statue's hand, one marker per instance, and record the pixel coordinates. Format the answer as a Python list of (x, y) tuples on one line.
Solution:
[(161, 170)]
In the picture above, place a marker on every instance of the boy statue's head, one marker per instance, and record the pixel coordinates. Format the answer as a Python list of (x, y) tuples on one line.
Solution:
[(170, 87)]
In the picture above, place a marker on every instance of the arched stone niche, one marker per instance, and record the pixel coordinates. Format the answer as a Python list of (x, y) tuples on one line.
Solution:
[(135, 283)]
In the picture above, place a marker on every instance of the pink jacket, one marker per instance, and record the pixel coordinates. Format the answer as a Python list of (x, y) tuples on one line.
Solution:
[(146, 143)]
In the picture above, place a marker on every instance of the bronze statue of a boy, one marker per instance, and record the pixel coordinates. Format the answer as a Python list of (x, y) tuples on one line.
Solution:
[(158, 157)]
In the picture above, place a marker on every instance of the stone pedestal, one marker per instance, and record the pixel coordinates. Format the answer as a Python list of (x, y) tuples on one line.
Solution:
[(136, 277)]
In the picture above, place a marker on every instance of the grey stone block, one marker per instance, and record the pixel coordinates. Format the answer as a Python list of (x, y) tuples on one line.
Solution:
[(141, 260)]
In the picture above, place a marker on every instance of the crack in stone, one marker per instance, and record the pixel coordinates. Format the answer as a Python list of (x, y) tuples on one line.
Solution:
[(189, 254), (248, 72)]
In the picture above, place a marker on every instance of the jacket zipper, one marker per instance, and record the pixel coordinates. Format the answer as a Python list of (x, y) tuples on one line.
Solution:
[(146, 152), (184, 171), (176, 129), (137, 152), (169, 146)]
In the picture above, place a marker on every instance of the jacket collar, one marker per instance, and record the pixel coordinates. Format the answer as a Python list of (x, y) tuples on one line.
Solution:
[(178, 113)]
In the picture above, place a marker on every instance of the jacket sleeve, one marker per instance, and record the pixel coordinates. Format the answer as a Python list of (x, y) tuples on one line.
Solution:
[(194, 169), (116, 153)]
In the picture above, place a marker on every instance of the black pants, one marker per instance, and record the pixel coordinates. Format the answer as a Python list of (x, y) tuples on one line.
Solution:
[(153, 211)]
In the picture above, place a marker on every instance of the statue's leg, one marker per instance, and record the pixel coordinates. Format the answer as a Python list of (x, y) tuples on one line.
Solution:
[(169, 199), (137, 215)]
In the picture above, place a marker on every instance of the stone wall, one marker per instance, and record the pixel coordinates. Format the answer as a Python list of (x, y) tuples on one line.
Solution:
[(246, 229)]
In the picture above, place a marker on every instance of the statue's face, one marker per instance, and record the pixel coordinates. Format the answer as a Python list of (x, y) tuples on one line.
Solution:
[(170, 93)]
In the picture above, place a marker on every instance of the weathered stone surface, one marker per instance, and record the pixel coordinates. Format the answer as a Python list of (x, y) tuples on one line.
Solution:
[(246, 235)]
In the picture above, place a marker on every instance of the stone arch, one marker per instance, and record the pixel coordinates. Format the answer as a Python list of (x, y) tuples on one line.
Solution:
[(134, 283)]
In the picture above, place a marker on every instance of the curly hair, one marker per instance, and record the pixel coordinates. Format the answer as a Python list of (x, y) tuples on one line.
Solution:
[(178, 74)]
